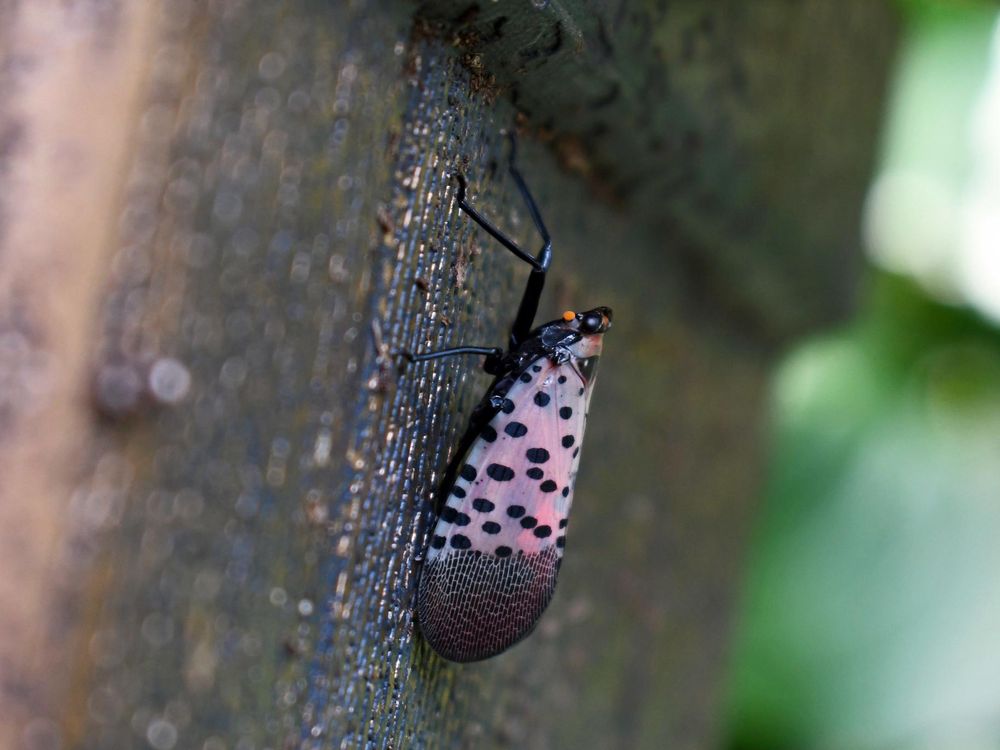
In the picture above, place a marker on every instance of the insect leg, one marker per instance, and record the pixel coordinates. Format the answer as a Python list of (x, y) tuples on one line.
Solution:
[(539, 264), (494, 355), (536, 281), (544, 255), (489, 351)]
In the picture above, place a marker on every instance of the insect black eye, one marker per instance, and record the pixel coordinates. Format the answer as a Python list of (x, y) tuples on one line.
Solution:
[(591, 323)]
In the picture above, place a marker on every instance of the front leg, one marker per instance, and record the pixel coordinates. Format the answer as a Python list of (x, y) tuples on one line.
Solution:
[(539, 263)]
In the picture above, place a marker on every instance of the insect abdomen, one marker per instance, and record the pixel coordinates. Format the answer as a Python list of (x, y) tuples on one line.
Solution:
[(474, 605)]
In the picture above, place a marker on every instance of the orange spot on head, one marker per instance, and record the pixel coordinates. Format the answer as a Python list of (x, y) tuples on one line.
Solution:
[(569, 315)]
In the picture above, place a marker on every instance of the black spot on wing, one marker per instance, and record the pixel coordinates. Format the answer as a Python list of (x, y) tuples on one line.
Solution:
[(535, 473), (488, 434), (516, 429), (499, 472), (482, 505), (537, 455), (468, 473), (542, 399)]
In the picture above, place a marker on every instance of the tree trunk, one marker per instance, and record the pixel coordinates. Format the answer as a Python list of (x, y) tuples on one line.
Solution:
[(222, 220)]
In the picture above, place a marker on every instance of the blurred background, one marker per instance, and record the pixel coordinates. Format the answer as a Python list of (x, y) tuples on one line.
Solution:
[(871, 609)]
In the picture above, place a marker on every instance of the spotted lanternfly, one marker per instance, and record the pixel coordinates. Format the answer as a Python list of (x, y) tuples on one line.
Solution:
[(490, 568)]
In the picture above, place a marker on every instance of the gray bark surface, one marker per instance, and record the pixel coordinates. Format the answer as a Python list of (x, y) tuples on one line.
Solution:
[(228, 561)]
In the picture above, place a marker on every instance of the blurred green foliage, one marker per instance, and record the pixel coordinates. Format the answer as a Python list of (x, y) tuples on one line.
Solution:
[(872, 607)]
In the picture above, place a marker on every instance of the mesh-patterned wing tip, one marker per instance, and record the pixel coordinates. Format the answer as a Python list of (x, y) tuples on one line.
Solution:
[(472, 605)]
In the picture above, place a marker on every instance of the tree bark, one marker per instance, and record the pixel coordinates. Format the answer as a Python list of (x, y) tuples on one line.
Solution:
[(222, 220)]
